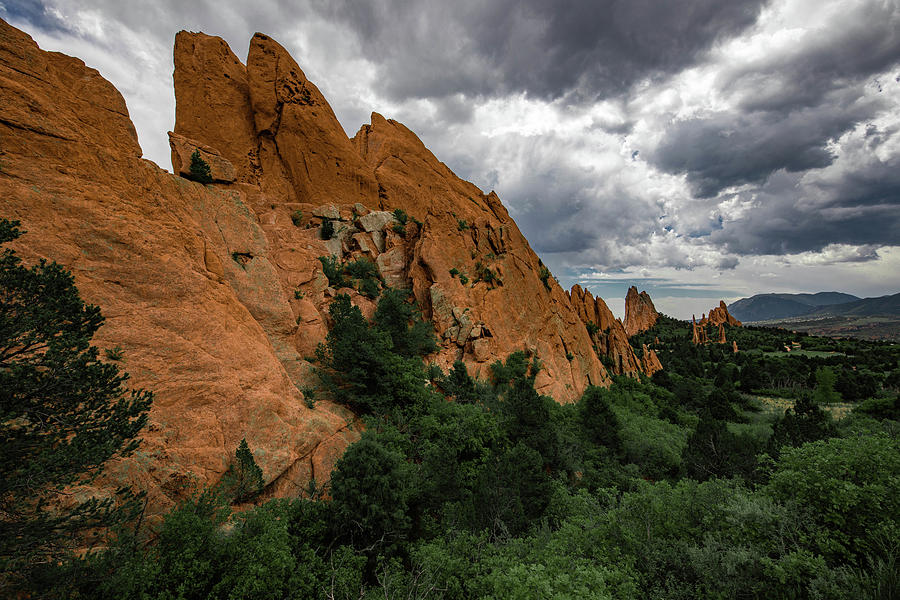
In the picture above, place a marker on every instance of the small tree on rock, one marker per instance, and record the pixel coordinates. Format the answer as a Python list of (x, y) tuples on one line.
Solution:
[(244, 479), (199, 169)]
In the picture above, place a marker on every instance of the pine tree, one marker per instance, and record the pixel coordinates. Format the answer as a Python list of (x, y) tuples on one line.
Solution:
[(244, 478), (63, 414), (199, 169)]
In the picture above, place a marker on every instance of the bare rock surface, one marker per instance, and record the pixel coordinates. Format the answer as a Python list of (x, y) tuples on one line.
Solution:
[(183, 273), (719, 315)]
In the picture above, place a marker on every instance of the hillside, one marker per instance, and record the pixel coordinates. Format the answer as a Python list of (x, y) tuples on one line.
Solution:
[(866, 307), (762, 307)]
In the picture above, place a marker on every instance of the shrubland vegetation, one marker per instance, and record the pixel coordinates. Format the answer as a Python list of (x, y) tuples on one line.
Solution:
[(677, 487)]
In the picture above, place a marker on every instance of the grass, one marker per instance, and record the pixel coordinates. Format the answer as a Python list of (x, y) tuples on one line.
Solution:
[(809, 353), (775, 407)]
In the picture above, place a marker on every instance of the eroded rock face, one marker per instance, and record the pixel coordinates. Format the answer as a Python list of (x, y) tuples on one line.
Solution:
[(220, 168), (650, 361), (503, 306), (640, 314)]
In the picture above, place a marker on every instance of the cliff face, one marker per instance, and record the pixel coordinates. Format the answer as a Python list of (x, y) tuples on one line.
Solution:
[(640, 314), (472, 233), (215, 293)]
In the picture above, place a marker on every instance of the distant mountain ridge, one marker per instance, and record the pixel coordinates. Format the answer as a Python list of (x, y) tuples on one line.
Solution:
[(765, 307), (882, 305)]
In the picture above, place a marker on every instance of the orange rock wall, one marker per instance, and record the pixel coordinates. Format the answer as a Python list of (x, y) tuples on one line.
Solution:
[(610, 340)]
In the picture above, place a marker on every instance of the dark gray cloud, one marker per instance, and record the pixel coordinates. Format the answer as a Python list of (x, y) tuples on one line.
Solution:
[(863, 43), (730, 148), (32, 12), (858, 206), (580, 49)]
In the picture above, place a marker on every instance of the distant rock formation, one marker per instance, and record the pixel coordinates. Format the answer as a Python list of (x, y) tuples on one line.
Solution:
[(720, 315), (698, 332), (609, 337), (640, 314), (650, 361)]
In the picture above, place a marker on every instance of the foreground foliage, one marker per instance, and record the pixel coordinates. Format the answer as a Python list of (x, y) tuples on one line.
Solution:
[(680, 487), (63, 414)]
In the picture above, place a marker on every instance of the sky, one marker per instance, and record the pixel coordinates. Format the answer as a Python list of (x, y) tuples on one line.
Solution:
[(697, 149)]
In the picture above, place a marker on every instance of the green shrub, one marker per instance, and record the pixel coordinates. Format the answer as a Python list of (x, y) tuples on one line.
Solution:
[(454, 272), (199, 169), (298, 295), (327, 231), (485, 274), (592, 328), (309, 396), (362, 268), (244, 479), (544, 275), (463, 279), (369, 288), (333, 270), (114, 353), (850, 490), (297, 217), (462, 225), (401, 216)]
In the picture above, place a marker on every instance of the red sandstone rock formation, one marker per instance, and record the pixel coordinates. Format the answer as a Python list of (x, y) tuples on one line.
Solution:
[(721, 339), (650, 361), (471, 232), (610, 340), (640, 314), (720, 315), (698, 331), (215, 292)]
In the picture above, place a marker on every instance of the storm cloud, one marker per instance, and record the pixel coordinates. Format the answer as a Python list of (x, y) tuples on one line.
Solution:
[(580, 48)]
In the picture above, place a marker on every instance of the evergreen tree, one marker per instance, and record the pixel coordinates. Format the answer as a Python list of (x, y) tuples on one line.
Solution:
[(244, 479), (199, 169), (598, 419), (63, 414), (410, 335), (824, 392)]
